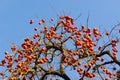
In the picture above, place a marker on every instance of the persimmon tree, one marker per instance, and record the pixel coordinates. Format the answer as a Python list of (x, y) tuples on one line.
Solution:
[(61, 46)]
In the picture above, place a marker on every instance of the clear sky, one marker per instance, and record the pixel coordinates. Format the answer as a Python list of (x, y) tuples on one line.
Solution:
[(15, 15)]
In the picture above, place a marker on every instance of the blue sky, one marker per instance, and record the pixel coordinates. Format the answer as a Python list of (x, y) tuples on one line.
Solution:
[(15, 15)]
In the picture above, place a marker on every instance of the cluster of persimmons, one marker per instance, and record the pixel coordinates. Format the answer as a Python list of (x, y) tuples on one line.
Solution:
[(76, 47)]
